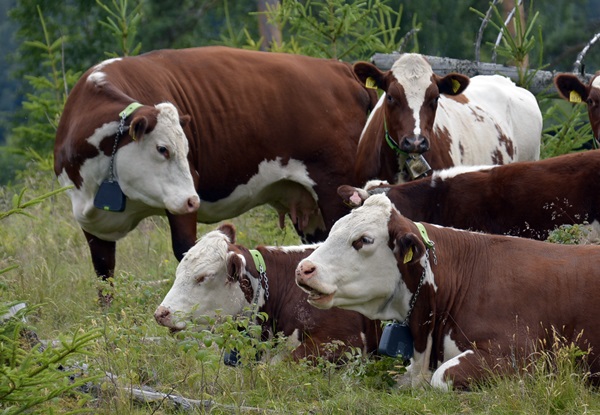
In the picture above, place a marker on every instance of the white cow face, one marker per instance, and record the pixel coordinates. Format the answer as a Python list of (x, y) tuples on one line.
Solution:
[(203, 284), (411, 97), (356, 268), (154, 169)]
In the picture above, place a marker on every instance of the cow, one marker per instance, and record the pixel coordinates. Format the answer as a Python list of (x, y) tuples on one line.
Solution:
[(218, 274), (476, 304), (256, 127), (573, 90), (527, 198), (450, 120)]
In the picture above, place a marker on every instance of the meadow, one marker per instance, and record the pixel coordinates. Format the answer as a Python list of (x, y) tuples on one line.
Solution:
[(129, 351)]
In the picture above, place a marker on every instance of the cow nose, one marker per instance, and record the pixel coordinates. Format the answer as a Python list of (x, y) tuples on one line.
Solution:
[(415, 144), (162, 315), (305, 271), (193, 203)]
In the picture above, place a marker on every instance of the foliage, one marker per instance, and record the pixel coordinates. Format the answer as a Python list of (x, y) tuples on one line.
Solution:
[(567, 129), (123, 25), (570, 234), (336, 29)]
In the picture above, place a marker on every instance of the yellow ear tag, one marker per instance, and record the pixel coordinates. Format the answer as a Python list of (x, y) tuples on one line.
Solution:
[(408, 256), (574, 97), (370, 83), (455, 85)]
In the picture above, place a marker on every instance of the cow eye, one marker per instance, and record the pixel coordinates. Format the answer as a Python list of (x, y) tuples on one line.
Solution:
[(362, 241), (163, 151), (390, 98)]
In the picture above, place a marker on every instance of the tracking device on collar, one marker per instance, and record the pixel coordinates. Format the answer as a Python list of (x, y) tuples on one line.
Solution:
[(110, 197), (396, 340)]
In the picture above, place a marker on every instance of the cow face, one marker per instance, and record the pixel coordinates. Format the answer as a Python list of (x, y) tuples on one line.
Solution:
[(412, 92), (357, 267), (207, 280), (573, 90), (153, 168)]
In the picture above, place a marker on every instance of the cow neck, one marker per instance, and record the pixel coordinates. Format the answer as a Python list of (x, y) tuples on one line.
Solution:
[(430, 246), (257, 283), (122, 116)]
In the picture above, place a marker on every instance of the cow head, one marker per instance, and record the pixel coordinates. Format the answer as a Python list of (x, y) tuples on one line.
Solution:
[(412, 92), (153, 167), (366, 264), (207, 280), (573, 90)]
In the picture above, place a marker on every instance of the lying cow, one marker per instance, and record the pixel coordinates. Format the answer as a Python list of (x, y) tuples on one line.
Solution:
[(451, 120), (528, 199), (218, 274), (573, 90), (477, 303), (256, 127)]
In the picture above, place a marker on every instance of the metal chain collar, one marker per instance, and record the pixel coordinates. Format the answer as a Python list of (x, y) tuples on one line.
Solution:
[(111, 171), (413, 299)]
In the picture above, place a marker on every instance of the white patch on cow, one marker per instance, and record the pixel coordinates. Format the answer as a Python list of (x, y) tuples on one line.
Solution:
[(201, 285), (596, 82), (97, 77), (277, 184), (418, 370), (441, 175), (413, 72), (438, 380), (371, 115), (292, 248)]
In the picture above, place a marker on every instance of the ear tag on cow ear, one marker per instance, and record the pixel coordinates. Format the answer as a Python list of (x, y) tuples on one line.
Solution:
[(574, 97), (455, 85), (409, 255), (396, 339), (110, 197), (370, 83)]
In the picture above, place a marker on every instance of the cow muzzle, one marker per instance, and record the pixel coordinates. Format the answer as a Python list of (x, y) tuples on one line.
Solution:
[(418, 144), (164, 316), (306, 278), (190, 205)]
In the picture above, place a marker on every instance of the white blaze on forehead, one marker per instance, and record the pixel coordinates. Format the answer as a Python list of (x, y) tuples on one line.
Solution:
[(414, 74), (201, 283)]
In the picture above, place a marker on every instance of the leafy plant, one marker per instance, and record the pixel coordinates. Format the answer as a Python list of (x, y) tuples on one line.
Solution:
[(568, 129), (123, 25)]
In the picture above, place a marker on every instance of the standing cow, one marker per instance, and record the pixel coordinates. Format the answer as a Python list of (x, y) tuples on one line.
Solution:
[(476, 304), (256, 128), (573, 90), (450, 120), (218, 274), (528, 198)]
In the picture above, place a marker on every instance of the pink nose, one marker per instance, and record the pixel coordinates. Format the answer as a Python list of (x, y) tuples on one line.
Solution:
[(193, 204), (305, 271), (162, 315)]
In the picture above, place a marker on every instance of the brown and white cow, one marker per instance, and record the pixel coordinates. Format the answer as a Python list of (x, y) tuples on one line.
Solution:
[(261, 128), (478, 303), (218, 274), (528, 199), (573, 90), (451, 120)]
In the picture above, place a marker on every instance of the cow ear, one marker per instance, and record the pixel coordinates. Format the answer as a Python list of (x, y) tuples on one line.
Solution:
[(571, 88), (184, 120), (369, 75), (229, 230), (352, 196), (409, 248), (139, 126), (452, 84), (235, 267)]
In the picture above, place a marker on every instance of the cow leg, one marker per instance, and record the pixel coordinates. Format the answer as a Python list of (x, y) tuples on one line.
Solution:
[(103, 258), (183, 233)]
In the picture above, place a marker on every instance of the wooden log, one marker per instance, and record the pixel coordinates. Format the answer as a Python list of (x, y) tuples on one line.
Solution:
[(542, 81)]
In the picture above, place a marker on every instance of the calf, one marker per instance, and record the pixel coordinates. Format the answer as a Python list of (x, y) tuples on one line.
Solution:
[(474, 303), (527, 199), (450, 120), (573, 90), (218, 274)]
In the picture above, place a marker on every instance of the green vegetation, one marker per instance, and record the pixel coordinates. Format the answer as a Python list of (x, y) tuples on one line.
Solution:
[(105, 355)]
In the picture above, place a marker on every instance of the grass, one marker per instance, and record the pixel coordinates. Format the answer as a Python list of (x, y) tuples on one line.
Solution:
[(55, 277)]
